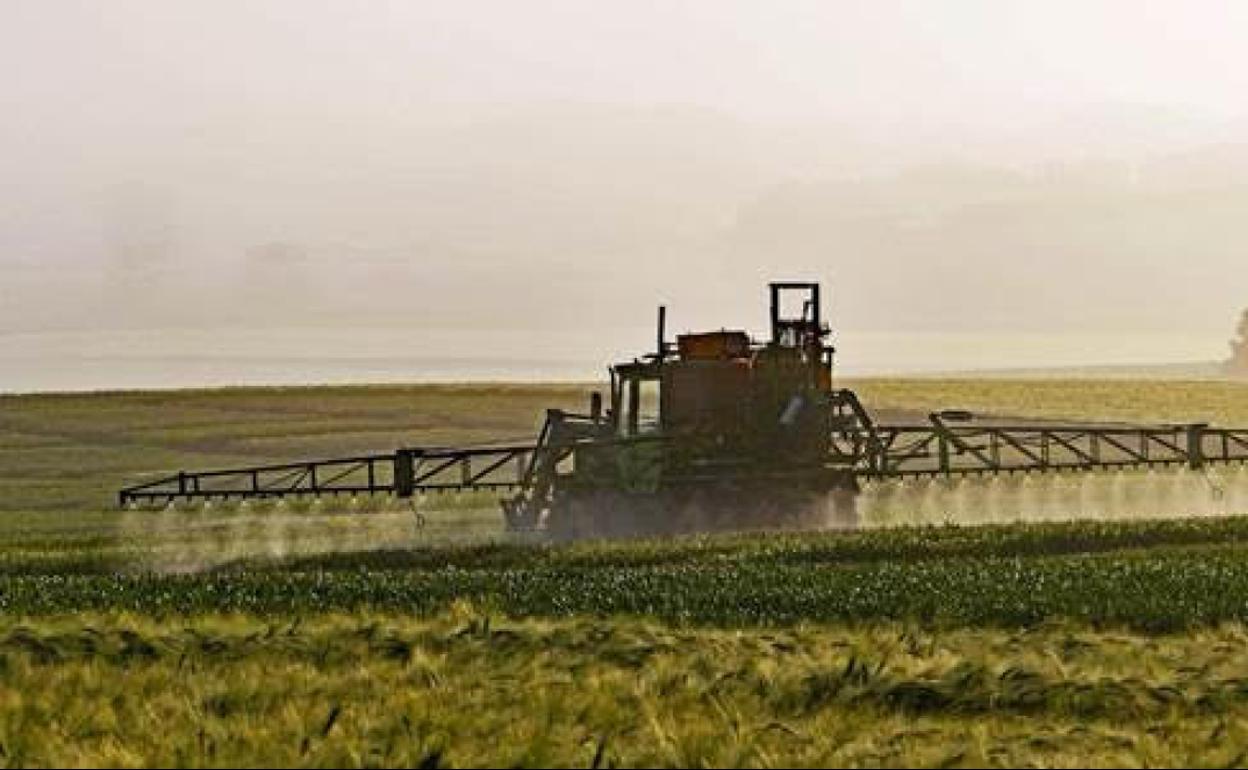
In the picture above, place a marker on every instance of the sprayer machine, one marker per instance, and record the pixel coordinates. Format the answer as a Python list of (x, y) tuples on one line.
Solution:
[(716, 430)]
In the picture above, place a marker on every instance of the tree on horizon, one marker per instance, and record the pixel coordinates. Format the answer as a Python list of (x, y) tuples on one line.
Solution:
[(1237, 364)]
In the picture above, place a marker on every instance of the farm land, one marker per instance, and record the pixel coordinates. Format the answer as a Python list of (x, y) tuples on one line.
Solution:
[(357, 633)]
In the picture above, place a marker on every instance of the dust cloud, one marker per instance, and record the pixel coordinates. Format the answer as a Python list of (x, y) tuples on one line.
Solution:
[(961, 501), (187, 539), (1109, 495), (608, 514)]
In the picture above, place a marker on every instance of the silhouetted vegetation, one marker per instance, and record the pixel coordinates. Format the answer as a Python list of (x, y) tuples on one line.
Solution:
[(1237, 364)]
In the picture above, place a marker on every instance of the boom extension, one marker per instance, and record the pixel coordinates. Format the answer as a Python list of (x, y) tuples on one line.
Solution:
[(944, 449), (404, 473), (877, 452), (527, 469)]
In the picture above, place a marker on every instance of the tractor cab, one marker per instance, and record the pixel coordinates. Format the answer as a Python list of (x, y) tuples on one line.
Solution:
[(735, 393)]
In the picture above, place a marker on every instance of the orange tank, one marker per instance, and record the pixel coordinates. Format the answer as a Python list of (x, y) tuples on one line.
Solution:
[(713, 346)]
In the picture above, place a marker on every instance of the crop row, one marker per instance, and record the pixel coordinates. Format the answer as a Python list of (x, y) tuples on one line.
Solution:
[(115, 553), (1166, 590), (802, 549)]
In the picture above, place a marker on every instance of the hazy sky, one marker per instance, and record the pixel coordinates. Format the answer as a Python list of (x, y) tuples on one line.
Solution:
[(1005, 166), (161, 64)]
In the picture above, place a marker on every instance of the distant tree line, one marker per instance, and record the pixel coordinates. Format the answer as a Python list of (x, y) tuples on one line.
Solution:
[(1237, 364)]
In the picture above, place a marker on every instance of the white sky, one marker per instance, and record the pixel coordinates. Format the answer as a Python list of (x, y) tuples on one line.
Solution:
[(106, 62), (609, 154)]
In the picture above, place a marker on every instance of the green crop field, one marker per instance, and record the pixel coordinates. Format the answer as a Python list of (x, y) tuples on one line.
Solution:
[(965, 624)]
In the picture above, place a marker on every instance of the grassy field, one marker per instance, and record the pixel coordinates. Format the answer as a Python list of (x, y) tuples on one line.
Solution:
[(471, 689), (350, 634)]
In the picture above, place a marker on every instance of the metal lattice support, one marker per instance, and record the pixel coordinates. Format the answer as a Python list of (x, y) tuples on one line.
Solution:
[(943, 449), (404, 473)]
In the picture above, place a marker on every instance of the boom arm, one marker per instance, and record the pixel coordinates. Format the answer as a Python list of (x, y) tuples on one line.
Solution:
[(942, 448), (939, 448), (403, 473), (530, 470)]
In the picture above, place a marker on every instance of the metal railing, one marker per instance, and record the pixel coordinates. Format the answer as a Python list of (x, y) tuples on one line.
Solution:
[(941, 449), (404, 473)]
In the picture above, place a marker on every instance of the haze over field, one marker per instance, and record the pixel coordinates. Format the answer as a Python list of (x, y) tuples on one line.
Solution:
[(1013, 183)]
